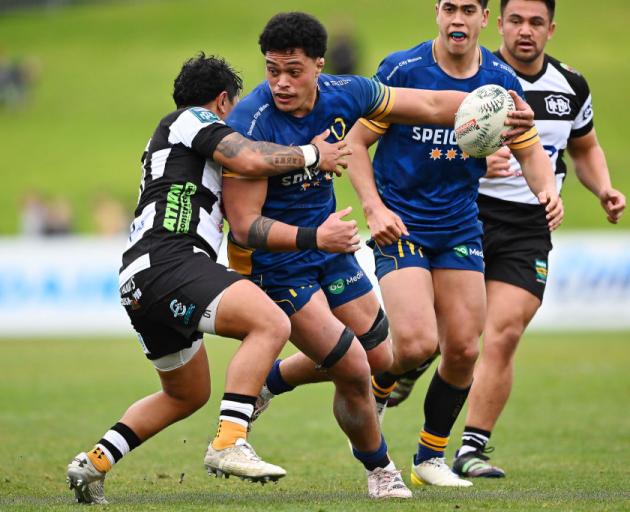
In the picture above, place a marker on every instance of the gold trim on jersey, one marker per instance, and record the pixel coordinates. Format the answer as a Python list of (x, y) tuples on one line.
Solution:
[(239, 257), (385, 106), (227, 173), (375, 126), (529, 138)]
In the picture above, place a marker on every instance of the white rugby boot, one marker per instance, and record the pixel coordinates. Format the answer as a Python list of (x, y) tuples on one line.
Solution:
[(435, 471), (384, 483), (241, 460), (86, 481)]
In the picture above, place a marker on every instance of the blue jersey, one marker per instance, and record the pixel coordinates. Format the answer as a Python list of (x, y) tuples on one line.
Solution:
[(421, 173), (294, 198)]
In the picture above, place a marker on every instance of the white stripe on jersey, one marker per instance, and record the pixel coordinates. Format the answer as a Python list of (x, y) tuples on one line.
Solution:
[(137, 265), (158, 163), (187, 126), (209, 227), (552, 80), (141, 225)]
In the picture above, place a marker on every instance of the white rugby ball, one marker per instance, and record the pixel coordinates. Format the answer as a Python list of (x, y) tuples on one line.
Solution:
[(480, 120)]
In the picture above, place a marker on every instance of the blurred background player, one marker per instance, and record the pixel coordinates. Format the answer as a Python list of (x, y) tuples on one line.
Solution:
[(419, 201), (174, 290), (516, 239)]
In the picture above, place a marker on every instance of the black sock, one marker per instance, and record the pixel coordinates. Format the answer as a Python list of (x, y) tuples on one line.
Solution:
[(442, 405), (382, 386)]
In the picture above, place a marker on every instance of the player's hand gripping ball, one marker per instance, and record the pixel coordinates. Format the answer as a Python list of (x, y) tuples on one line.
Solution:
[(480, 120)]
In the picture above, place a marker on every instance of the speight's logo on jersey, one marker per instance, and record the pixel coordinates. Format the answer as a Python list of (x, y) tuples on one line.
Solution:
[(558, 105)]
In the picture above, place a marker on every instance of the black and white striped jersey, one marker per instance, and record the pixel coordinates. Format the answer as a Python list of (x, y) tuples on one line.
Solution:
[(561, 101), (179, 208)]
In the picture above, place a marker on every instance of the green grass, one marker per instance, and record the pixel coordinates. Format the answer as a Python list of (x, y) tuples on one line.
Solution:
[(564, 438), (107, 72)]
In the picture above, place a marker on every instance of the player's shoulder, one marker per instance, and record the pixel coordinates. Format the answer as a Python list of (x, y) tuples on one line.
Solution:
[(251, 108), (492, 63), (570, 74), (190, 118), (400, 61), (338, 84)]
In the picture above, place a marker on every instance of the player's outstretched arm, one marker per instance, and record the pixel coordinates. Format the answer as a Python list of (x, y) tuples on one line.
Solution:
[(412, 106), (539, 175), (385, 226), (252, 158), (591, 169), (243, 200)]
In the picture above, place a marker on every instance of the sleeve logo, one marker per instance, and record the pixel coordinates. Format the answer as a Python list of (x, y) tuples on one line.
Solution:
[(205, 116)]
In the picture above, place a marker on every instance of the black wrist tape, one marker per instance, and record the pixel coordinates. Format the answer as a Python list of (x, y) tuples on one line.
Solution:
[(306, 238)]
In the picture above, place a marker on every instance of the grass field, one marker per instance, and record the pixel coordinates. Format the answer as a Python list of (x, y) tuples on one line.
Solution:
[(107, 72), (564, 438)]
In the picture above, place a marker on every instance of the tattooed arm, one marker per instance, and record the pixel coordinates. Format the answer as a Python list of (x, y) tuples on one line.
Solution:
[(253, 158), (243, 200)]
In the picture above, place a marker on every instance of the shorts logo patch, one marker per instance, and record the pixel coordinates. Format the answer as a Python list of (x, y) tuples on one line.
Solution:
[(461, 251), (178, 309), (337, 287), (541, 271)]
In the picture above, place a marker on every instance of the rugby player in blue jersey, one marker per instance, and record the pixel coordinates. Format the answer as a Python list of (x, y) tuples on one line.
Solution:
[(283, 231), (419, 199)]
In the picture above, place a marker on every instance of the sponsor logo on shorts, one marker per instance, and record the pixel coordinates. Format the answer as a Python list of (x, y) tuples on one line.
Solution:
[(355, 278), (130, 295), (541, 271), (178, 309), (463, 252), (337, 287)]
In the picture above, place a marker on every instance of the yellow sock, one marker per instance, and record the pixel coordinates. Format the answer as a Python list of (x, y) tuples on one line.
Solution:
[(99, 460), (227, 434)]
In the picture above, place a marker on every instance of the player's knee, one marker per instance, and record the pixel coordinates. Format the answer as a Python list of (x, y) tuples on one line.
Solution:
[(351, 372), (190, 399), (461, 357), (376, 343), (413, 352), (501, 345), (274, 327), (380, 358)]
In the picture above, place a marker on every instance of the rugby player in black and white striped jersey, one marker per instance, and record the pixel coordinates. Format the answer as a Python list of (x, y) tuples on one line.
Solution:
[(174, 290), (516, 239)]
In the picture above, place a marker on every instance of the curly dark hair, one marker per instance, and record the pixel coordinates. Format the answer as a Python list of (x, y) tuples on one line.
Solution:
[(291, 30), (202, 79), (551, 7)]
